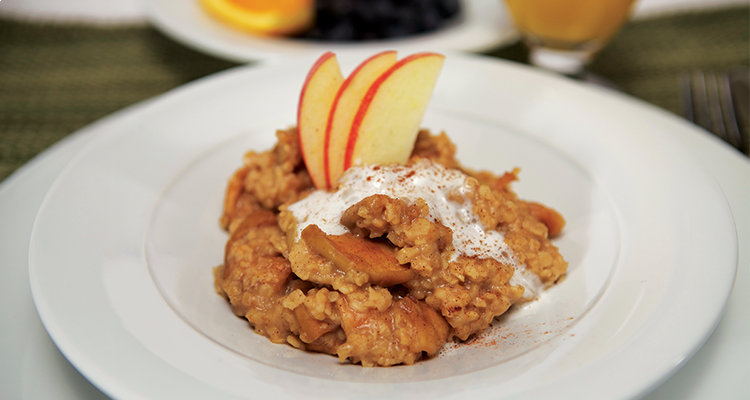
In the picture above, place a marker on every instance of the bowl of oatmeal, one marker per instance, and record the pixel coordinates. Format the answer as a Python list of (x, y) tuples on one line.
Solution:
[(123, 246), (526, 320)]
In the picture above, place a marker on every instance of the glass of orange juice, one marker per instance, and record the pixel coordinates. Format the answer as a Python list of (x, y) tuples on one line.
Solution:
[(563, 35)]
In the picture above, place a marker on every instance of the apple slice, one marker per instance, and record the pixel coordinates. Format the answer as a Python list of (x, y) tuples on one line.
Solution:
[(387, 121), (348, 252), (345, 107), (320, 88)]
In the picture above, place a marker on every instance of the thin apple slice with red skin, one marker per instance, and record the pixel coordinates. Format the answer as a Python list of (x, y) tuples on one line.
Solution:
[(345, 107), (387, 122), (320, 88)]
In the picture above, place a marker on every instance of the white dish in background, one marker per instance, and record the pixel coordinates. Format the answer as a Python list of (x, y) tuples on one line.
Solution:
[(484, 25), (94, 293), (132, 11)]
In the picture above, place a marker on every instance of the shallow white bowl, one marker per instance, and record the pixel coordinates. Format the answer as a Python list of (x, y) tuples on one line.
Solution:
[(123, 245)]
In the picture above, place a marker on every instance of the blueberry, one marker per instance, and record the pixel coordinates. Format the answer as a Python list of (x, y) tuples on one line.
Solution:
[(343, 31), (447, 8), (344, 20)]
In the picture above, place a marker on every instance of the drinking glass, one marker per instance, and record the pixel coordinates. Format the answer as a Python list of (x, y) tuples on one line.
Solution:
[(563, 35)]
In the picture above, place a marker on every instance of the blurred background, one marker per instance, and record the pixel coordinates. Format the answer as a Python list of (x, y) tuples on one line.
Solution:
[(66, 64)]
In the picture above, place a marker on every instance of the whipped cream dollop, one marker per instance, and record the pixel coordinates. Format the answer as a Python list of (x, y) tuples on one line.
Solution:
[(433, 183)]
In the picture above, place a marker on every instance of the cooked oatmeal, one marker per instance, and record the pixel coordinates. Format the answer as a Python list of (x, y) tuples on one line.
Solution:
[(387, 268)]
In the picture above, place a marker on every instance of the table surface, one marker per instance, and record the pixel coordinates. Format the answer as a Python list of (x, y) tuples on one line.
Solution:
[(56, 78)]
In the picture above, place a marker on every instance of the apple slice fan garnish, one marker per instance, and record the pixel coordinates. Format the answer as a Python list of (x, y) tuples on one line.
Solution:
[(372, 117)]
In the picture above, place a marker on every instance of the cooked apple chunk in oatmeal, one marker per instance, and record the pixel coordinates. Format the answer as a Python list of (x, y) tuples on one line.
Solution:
[(390, 265)]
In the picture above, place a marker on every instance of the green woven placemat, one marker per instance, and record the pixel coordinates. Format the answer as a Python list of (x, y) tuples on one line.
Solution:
[(55, 79)]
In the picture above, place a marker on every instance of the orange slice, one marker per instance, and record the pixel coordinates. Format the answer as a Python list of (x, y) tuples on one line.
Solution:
[(266, 17)]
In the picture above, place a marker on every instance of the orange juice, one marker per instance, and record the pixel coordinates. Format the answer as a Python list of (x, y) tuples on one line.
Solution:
[(567, 24)]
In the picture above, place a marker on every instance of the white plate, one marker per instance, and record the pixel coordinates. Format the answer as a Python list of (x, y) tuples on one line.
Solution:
[(484, 25), (628, 186)]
